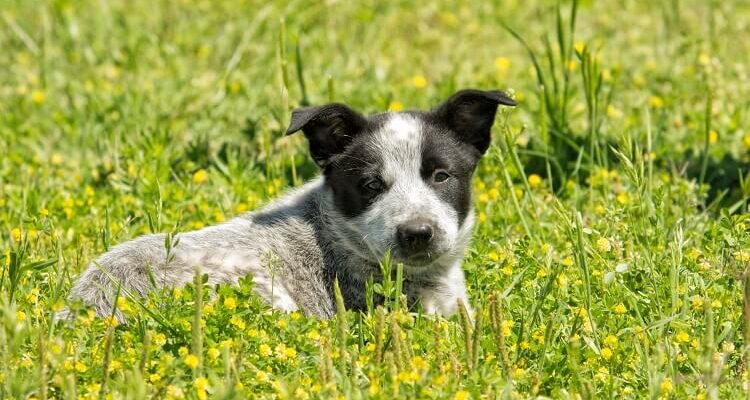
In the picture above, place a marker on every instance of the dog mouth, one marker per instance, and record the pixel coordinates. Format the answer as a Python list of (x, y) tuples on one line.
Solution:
[(416, 259)]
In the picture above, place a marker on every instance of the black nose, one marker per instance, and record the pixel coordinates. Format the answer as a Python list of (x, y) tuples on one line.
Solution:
[(415, 235)]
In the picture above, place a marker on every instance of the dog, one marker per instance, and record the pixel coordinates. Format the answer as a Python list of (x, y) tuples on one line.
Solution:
[(397, 182)]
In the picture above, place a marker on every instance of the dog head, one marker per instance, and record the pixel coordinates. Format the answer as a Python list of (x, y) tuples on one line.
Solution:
[(402, 181)]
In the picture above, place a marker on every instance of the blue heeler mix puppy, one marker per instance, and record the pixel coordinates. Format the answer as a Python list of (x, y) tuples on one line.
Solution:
[(391, 181)]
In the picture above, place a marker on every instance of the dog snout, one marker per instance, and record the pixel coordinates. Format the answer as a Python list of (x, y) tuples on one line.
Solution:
[(415, 235)]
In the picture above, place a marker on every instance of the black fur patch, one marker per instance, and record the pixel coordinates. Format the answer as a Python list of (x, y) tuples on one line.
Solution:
[(442, 150), (349, 171)]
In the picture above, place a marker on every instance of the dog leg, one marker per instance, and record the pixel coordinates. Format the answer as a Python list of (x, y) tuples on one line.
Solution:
[(441, 298)]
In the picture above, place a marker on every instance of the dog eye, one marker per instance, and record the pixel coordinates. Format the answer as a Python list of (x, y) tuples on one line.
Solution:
[(440, 176), (374, 185)]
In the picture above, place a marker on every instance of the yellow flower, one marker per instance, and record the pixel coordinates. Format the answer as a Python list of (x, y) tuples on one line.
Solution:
[(93, 388), (461, 395), (191, 361), (606, 353), (123, 305), (37, 97), (704, 59), (580, 47), (746, 140), (313, 335), (697, 303), (200, 176), (505, 327), (656, 102), (201, 385), (395, 106), (502, 64), (572, 65), (154, 378), (682, 337), (237, 321), (713, 136), (623, 198), (374, 389), (264, 350), (44, 212), (611, 341), (742, 255), (174, 392), (214, 353), (20, 316), (230, 303), (15, 233), (614, 112), (620, 309), (26, 361), (419, 81), (666, 386), (81, 367), (534, 180), (603, 245)]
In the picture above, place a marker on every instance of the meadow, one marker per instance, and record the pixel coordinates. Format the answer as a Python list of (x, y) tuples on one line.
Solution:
[(613, 235)]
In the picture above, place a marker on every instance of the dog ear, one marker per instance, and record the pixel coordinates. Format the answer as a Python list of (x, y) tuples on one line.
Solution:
[(470, 113), (329, 129)]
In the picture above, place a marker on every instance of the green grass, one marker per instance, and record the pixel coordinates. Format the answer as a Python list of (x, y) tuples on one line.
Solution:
[(613, 237)]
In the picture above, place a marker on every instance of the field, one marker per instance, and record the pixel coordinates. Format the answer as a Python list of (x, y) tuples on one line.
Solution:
[(613, 228)]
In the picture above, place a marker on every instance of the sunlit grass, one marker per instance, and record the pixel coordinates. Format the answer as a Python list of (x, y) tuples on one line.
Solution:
[(601, 266)]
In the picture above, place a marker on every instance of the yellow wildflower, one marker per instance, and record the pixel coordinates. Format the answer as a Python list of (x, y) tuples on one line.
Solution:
[(81, 367), (704, 59), (611, 341), (502, 64), (656, 102), (20, 316), (666, 386), (395, 106), (580, 47), (37, 96), (603, 245), (419, 81), (201, 385), (213, 353), (237, 321), (191, 361), (461, 395), (713, 136), (15, 233), (620, 309), (200, 176), (230, 303), (535, 180)]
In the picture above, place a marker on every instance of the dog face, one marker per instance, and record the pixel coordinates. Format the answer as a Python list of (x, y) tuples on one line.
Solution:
[(402, 181)]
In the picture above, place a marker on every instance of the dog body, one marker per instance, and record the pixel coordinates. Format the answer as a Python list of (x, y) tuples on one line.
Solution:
[(392, 182)]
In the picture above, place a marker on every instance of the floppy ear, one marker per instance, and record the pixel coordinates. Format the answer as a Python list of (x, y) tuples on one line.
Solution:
[(470, 113), (329, 129)]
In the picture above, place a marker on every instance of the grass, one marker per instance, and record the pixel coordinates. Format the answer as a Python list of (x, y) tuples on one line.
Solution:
[(613, 237)]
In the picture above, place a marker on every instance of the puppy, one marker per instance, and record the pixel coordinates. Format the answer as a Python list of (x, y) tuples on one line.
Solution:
[(398, 182)]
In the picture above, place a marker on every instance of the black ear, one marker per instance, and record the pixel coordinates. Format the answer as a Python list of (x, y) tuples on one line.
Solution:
[(470, 113), (329, 129)]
